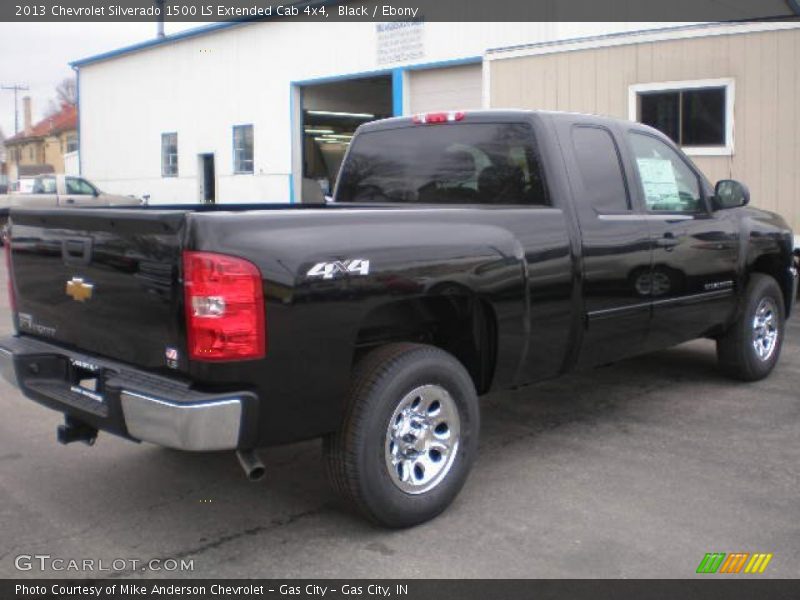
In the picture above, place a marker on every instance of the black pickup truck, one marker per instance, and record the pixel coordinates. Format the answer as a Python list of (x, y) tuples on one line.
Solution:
[(463, 253)]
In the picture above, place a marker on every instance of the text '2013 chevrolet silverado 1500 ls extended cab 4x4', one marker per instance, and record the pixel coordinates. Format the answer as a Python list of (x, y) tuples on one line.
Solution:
[(463, 253)]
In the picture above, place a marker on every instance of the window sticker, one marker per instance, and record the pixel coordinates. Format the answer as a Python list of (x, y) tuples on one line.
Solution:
[(659, 182)]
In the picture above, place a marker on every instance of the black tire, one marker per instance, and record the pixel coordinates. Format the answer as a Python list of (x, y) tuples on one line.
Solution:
[(356, 455), (736, 350)]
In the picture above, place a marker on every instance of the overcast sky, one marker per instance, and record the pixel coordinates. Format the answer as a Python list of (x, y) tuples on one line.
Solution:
[(37, 55)]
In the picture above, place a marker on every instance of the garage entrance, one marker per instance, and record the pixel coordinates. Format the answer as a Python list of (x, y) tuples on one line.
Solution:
[(331, 112)]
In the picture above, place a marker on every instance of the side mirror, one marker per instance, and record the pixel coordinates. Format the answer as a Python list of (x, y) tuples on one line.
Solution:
[(729, 193)]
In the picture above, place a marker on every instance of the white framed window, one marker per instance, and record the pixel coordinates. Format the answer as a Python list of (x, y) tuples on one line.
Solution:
[(696, 115), (243, 149), (169, 154), (72, 142)]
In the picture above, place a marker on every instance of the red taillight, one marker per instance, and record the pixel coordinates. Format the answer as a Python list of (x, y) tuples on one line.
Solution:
[(437, 117), (224, 307), (12, 296)]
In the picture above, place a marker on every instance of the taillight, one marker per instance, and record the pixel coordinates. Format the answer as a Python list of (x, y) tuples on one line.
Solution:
[(12, 296), (224, 307), (437, 117)]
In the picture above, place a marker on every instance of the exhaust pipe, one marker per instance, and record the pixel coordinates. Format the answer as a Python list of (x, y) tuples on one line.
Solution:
[(75, 431), (254, 469)]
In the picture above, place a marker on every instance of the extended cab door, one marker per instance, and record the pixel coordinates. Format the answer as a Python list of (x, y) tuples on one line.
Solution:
[(615, 242), (695, 251)]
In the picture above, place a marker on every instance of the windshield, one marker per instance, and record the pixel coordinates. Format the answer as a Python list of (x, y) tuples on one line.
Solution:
[(457, 163)]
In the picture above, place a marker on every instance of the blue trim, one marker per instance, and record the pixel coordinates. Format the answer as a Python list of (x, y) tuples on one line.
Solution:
[(190, 33), (455, 62), (347, 76), (397, 92), (292, 123), (78, 99)]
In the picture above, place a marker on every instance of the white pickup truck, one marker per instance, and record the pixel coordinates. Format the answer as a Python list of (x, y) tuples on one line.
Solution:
[(61, 190)]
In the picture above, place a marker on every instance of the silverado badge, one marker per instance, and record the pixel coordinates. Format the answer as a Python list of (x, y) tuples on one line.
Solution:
[(79, 290)]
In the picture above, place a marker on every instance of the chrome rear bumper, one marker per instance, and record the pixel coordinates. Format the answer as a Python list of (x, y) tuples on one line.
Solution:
[(203, 426)]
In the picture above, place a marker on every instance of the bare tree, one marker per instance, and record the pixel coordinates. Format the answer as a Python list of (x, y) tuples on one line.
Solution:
[(67, 91), (66, 94)]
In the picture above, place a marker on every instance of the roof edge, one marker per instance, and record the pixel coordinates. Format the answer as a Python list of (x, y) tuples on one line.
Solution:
[(639, 36), (188, 34), (153, 43)]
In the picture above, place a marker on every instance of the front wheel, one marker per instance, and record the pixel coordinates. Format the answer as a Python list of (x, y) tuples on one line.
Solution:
[(749, 350), (409, 435)]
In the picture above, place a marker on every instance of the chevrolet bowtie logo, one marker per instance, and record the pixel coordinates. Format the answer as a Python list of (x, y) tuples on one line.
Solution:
[(79, 290)]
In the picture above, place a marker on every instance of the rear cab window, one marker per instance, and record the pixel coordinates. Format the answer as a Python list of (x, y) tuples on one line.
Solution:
[(44, 185), (600, 166), (453, 163)]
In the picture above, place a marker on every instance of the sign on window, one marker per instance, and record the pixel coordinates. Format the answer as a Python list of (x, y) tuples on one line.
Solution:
[(659, 183)]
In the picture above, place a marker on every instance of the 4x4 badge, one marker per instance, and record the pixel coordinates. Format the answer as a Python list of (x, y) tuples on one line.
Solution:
[(79, 290), (328, 270)]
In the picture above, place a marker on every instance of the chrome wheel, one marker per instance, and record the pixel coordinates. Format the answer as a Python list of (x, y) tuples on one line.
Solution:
[(765, 328), (422, 439)]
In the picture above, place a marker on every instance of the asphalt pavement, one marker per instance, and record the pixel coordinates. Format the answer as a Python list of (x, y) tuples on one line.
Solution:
[(632, 470)]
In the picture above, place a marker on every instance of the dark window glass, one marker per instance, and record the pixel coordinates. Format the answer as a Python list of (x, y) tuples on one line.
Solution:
[(243, 149), (703, 117), (75, 185), (169, 154), (688, 117), (601, 171), (661, 110), (72, 143), (460, 163)]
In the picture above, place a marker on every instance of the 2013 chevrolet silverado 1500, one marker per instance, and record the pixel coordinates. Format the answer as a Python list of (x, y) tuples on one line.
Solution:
[(463, 253)]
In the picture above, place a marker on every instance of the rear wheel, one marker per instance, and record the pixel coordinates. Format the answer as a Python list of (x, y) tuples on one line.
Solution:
[(750, 349), (409, 435)]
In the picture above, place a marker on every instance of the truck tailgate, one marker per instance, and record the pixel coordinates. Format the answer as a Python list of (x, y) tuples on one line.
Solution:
[(102, 280)]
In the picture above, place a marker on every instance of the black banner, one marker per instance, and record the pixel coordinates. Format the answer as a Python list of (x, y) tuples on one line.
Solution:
[(712, 588), (396, 10)]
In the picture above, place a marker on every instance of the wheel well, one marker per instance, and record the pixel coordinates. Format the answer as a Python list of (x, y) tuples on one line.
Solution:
[(773, 265), (462, 325)]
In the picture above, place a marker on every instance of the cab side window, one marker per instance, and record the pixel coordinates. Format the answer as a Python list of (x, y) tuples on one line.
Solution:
[(668, 184), (600, 167), (44, 185), (78, 186)]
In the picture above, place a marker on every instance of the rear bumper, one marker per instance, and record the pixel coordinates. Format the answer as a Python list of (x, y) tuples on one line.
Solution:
[(128, 402)]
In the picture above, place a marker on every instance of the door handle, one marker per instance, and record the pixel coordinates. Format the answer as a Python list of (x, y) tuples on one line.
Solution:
[(70, 200), (668, 242)]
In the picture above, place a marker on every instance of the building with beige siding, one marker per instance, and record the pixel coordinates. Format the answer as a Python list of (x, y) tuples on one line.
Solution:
[(729, 94)]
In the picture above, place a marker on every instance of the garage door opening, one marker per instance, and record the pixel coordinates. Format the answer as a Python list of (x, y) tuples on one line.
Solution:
[(331, 112)]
